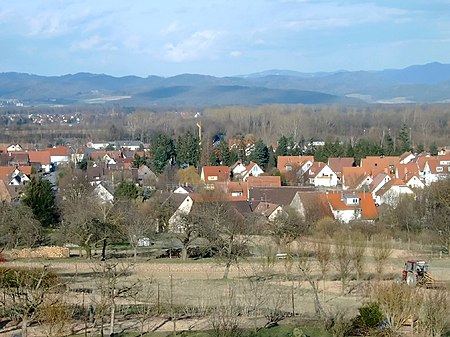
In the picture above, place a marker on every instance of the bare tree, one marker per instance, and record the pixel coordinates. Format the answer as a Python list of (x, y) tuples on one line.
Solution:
[(343, 257), (287, 227), (111, 284), (398, 302), (381, 250), (357, 251), (224, 228), (434, 317), (18, 227), (305, 267), (322, 251), (26, 291)]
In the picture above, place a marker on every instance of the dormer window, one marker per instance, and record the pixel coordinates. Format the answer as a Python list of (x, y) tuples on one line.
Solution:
[(439, 169)]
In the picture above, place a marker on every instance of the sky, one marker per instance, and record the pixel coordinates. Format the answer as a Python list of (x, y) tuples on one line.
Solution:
[(220, 37)]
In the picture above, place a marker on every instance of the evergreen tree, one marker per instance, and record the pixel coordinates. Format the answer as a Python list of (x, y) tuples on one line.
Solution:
[(163, 152), (188, 149), (126, 190), (390, 146), (434, 149), (282, 149), (40, 198), (404, 139), (224, 153), (260, 154), (272, 157)]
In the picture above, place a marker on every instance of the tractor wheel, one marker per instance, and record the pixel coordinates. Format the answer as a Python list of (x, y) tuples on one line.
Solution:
[(411, 279)]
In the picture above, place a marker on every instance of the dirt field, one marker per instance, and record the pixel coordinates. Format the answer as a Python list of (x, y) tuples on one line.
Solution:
[(199, 284)]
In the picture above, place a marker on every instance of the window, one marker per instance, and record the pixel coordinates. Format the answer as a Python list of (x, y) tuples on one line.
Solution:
[(439, 169)]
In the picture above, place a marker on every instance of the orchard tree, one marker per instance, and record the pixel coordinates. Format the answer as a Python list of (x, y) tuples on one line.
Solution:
[(18, 227), (40, 198), (438, 210)]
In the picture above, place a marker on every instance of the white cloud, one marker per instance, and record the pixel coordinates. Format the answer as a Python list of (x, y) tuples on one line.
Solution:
[(194, 47), (331, 15), (93, 43), (47, 24), (235, 53), (172, 28)]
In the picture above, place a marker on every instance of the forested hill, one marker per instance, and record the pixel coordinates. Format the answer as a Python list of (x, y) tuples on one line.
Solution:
[(416, 84)]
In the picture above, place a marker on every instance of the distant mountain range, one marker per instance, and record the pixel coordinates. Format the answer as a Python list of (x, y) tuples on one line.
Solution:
[(429, 83)]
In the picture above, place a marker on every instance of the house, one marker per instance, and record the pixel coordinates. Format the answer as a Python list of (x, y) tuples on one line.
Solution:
[(105, 192), (320, 174), (378, 182), (283, 195), (348, 207), (234, 190), (434, 171), (337, 164), (97, 145), (132, 145), (5, 195), (355, 178), (14, 148), (391, 193), (376, 165), (18, 159), (410, 174), (269, 210), (311, 205), (19, 176), (252, 170), (40, 160), (264, 181), (300, 164), (146, 177), (406, 158), (179, 205), (184, 190), (211, 174), (95, 174), (238, 168), (59, 155)]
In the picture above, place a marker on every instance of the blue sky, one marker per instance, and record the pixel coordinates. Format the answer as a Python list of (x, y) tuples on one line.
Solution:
[(220, 38)]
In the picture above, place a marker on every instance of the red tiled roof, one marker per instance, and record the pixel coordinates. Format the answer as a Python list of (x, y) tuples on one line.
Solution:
[(366, 204), (221, 172), (380, 164), (337, 164), (41, 157), (407, 170), (5, 171), (298, 161), (26, 169), (353, 176), (59, 151), (264, 181)]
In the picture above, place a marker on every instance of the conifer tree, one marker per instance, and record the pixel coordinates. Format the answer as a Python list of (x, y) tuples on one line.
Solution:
[(40, 198)]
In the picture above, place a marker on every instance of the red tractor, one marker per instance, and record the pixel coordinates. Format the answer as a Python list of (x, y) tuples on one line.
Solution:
[(416, 272)]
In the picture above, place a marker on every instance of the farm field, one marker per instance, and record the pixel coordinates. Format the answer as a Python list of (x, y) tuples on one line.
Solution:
[(183, 292)]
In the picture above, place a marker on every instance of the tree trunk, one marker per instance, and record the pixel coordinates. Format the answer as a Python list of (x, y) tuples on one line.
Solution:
[(184, 253), (227, 270), (113, 315), (24, 327), (104, 250)]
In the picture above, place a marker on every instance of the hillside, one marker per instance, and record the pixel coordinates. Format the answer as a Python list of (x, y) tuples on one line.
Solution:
[(428, 83)]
